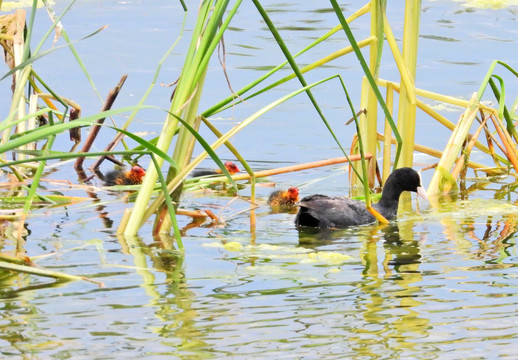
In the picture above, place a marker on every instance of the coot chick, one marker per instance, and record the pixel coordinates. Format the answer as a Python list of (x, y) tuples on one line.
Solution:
[(284, 199), (119, 177), (229, 165), (339, 211)]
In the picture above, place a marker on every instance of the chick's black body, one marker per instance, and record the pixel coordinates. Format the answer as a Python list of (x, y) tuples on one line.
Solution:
[(118, 177), (340, 211), (229, 165)]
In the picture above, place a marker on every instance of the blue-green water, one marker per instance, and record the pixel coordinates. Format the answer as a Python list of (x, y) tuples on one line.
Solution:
[(440, 283)]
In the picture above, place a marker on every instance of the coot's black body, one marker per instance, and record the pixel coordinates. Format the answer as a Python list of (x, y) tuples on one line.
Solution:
[(339, 211)]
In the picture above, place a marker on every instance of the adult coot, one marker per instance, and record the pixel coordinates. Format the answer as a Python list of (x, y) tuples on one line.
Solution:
[(339, 211), (229, 165)]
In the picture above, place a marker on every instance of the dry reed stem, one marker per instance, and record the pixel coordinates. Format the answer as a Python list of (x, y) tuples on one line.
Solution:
[(460, 163), (491, 146), (310, 165), (110, 99), (504, 136), (198, 214)]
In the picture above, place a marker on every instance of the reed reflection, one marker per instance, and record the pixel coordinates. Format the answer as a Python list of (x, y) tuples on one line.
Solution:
[(396, 287), (481, 229), (177, 317)]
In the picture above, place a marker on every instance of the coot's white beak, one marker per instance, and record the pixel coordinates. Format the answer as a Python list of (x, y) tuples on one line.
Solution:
[(422, 192)]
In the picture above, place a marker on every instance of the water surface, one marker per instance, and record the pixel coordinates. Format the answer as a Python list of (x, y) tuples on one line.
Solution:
[(440, 283)]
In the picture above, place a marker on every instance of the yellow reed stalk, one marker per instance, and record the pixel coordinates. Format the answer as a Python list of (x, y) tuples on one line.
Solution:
[(406, 77), (368, 122), (18, 47), (124, 221), (370, 128), (440, 118), (453, 147), (185, 140), (346, 50), (360, 12), (436, 96), (366, 128), (433, 152), (407, 106), (69, 102), (47, 101), (388, 134)]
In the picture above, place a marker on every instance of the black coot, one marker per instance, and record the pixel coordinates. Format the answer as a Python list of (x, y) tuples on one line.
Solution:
[(339, 211)]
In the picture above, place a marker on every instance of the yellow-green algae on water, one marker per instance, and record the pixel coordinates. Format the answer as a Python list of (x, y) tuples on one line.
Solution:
[(301, 255), (489, 4), (13, 5)]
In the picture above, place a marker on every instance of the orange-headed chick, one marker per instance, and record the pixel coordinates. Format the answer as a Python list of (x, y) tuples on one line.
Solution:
[(284, 198), (119, 177), (229, 165)]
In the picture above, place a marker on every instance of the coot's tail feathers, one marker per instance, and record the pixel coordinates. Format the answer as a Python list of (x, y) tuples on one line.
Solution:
[(307, 216)]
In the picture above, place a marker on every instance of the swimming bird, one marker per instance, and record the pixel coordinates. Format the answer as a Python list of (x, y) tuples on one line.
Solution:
[(284, 199), (118, 177), (229, 165), (339, 211)]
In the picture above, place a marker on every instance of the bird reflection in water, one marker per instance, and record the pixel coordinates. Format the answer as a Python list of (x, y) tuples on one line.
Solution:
[(400, 252)]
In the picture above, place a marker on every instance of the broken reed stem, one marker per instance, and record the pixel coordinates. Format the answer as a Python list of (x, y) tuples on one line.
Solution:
[(197, 214), (94, 130), (440, 118), (432, 152), (490, 145), (45, 272), (467, 150), (510, 150), (453, 148)]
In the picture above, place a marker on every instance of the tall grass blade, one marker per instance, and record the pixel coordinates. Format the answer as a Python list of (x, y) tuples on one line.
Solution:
[(369, 76)]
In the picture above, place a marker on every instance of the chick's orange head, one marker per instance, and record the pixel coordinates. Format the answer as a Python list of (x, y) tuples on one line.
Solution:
[(136, 174), (293, 193), (231, 167)]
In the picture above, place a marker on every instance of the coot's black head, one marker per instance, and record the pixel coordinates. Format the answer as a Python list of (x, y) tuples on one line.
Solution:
[(403, 179)]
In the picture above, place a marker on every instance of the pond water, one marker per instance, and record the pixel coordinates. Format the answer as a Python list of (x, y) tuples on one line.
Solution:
[(440, 283)]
